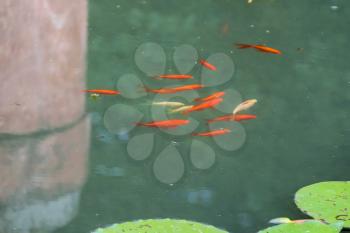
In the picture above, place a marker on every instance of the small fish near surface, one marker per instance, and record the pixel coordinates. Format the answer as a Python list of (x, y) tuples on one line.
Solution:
[(210, 97), (207, 65), (164, 124), (213, 133), (159, 91), (261, 48), (204, 105), (180, 109), (168, 104), (174, 76), (170, 90), (102, 91), (283, 220), (233, 117), (244, 105), (94, 96), (188, 87)]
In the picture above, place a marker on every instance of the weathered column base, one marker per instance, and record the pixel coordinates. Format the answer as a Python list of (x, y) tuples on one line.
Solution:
[(41, 175)]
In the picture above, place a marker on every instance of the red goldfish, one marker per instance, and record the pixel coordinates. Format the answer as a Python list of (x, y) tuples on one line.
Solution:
[(174, 76), (164, 124), (231, 117), (188, 87), (160, 90), (212, 133), (260, 48), (210, 97), (207, 65), (103, 92), (204, 105), (175, 89)]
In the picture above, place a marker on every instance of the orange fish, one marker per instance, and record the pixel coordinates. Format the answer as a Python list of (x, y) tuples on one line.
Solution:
[(260, 48), (160, 90), (103, 92), (164, 124), (231, 117), (207, 65), (212, 133), (174, 76), (203, 105), (210, 97), (188, 87), (174, 89)]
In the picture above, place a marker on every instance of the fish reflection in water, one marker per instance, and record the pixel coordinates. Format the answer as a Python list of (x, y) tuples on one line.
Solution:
[(105, 136), (106, 171), (201, 196)]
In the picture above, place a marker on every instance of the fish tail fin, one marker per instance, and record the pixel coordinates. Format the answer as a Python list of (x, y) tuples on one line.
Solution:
[(197, 99), (185, 113), (171, 111), (138, 123), (281, 220), (144, 88), (243, 46), (210, 121), (156, 77)]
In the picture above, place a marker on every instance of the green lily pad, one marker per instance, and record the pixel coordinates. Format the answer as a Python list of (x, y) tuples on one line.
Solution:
[(326, 201), (309, 226), (160, 225)]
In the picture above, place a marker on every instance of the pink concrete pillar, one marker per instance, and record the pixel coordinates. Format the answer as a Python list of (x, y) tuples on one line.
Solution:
[(44, 133)]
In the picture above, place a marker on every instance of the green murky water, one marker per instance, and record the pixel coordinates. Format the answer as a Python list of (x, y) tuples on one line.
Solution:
[(236, 182)]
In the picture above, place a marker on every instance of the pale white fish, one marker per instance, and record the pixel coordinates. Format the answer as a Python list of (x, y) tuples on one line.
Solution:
[(280, 220), (283, 220), (180, 109), (168, 104), (244, 105), (250, 1)]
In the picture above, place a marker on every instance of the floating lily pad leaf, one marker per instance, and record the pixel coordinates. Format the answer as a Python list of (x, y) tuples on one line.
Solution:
[(160, 225), (328, 201), (309, 227)]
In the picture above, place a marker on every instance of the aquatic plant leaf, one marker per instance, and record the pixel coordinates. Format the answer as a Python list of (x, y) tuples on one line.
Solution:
[(160, 225), (224, 73), (129, 86), (202, 156), (328, 201), (150, 58), (185, 57), (121, 118), (309, 226), (169, 166), (231, 99), (233, 140), (141, 146)]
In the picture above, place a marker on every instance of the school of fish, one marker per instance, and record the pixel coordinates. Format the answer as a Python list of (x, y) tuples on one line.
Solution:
[(198, 104)]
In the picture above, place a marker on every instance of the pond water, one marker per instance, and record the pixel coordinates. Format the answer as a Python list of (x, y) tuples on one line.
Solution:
[(238, 181)]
